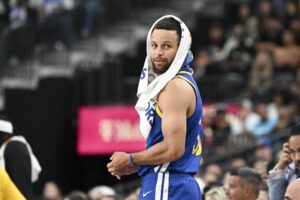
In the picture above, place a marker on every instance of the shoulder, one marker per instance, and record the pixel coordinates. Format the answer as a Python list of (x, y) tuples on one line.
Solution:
[(179, 87), (16, 147), (176, 92)]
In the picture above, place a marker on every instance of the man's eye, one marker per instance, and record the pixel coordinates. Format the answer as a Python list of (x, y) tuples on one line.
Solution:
[(166, 46)]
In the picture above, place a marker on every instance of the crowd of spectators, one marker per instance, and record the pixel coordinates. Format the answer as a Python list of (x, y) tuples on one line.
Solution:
[(27, 26), (257, 42)]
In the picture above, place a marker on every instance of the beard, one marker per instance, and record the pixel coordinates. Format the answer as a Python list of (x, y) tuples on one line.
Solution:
[(160, 69)]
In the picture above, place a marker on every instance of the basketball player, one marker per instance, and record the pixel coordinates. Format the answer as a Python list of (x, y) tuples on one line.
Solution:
[(173, 150)]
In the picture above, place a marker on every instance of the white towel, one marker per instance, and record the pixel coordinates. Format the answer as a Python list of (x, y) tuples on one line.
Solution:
[(147, 92)]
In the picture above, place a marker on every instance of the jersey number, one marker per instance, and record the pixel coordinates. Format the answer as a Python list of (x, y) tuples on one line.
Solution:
[(197, 149)]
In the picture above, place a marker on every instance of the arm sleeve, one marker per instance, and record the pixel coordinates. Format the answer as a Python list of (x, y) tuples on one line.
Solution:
[(8, 188), (277, 184), (18, 166)]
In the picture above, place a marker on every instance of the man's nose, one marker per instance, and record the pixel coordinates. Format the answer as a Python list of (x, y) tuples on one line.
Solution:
[(159, 51)]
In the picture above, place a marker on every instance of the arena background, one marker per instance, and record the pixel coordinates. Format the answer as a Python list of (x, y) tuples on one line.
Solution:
[(46, 77)]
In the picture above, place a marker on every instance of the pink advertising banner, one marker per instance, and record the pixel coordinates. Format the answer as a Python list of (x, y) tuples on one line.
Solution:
[(106, 129)]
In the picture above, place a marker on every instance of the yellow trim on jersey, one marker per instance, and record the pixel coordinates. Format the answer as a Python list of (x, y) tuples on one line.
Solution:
[(185, 72), (158, 111), (178, 76)]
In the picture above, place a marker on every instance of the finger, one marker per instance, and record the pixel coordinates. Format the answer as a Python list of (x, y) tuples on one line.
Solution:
[(285, 145), (112, 156), (109, 165), (287, 158)]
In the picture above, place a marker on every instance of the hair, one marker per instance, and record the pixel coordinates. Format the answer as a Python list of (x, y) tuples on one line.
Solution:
[(77, 195), (264, 187), (217, 193), (295, 130), (261, 72), (170, 24), (210, 186), (248, 176), (115, 197)]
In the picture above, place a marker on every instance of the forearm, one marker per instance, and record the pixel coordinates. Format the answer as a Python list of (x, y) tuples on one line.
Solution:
[(277, 184), (159, 153)]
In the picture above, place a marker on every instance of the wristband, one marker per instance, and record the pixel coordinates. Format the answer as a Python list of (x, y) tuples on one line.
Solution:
[(131, 162)]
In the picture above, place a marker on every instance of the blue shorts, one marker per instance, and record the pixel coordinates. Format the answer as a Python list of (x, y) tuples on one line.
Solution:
[(168, 186)]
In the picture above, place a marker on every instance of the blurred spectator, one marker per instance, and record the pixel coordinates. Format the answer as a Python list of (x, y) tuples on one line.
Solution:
[(263, 121), (238, 162), (52, 191), (265, 11), (294, 112), (216, 194), (134, 195), (244, 183), (202, 60), (20, 13), (221, 128), (292, 192), (99, 191), (76, 195), (111, 197), (210, 186), (291, 48), (216, 38), (56, 23), (291, 11), (263, 192), (19, 35), (287, 168), (248, 22), (264, 149), (17, 158), (270, 34), (211, 175), (282, 66), (261, 167), (3, 15), (261, 75), (294, 26), (92, 9)]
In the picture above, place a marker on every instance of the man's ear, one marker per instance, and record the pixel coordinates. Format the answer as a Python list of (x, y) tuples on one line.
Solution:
[(248, 190)]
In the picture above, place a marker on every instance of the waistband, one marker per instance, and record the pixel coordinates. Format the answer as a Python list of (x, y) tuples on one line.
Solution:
[(172, 175)]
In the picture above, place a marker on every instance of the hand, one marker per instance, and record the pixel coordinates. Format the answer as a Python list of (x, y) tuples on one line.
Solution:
[(119, 165), (285, 157)]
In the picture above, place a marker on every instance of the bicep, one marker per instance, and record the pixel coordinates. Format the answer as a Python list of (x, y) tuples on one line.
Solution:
[(174, 124), (174, 104)]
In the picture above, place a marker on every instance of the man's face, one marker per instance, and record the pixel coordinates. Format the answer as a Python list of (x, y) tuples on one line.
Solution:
[(294, 146), (236, 189), (163, 49)]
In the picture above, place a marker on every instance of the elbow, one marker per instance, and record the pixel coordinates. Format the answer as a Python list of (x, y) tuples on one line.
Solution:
[(176, 154)]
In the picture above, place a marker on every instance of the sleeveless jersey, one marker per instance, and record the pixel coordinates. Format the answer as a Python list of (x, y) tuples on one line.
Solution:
[(189, 162)]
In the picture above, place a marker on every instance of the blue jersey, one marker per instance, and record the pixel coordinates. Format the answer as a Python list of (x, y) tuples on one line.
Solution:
[(189, 162)]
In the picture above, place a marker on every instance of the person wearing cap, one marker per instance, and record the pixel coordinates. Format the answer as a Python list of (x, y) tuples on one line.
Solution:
[(17, 159)]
